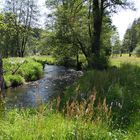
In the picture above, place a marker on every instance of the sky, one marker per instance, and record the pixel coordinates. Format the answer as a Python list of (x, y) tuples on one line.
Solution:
[(122, 20)]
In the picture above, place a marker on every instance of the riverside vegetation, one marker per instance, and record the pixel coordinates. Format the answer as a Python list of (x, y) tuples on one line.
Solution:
[(17, 71), (104, 104), (101, 105)]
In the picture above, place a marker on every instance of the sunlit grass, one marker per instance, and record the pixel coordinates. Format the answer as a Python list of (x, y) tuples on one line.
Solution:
[(117, 60), (44, 59), (44, 124), (102, 105)]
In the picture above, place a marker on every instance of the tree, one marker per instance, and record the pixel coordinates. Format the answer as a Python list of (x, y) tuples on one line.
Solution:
[(131, 37), (25, 18), (116, 44), (81, 22), (100, 8), (1, 75)]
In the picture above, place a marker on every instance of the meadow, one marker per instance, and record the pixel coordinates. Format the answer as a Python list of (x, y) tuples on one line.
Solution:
[(117, 61), (101, 105)]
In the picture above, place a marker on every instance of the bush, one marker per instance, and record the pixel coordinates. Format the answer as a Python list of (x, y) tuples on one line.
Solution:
[(13, 80), (137, 51), (101, 62), (31, 71), (67, 62)]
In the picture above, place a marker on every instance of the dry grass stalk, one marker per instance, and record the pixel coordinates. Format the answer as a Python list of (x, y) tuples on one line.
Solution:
[(86, 109)]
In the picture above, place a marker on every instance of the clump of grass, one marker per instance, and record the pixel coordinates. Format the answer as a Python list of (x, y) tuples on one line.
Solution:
[(21, 125), (13, 80), (89, 109), (18, 70), (45, 60), (31, 71)]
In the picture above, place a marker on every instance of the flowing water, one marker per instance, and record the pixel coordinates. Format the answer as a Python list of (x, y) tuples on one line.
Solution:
[(53, 83)]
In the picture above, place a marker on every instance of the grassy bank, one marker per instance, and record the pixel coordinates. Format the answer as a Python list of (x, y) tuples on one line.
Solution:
[(117, 60), (17, 71), (101, 105), (119, 87)]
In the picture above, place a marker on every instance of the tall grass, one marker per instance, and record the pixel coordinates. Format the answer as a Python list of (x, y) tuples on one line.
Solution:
[(102, 105), (45, 123), (120, 87), (31, 71), (20, 70)]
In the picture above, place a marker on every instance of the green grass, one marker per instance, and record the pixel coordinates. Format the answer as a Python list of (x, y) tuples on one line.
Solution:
[(44, 59), (46, 125), (117, 61), (20, 70), (101, 105), (13, 80), (30, 69), (120, 87)]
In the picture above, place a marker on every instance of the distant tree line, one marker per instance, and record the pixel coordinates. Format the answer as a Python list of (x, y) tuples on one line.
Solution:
[(131, 38), (131, 41)]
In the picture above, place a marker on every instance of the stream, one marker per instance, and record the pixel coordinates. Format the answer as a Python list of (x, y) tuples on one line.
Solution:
[(54, 81)]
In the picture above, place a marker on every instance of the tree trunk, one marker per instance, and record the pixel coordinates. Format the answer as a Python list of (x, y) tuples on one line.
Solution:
[(1, 76), (97, 26)]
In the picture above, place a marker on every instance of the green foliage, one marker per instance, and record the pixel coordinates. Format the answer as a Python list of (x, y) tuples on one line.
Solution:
[(101, 62), (26, 125), (137, 51), (73, 30), (31, 71), (19, 70), (13, 80), (50, 60), (16, 33), (131, 38), (120, 86), (78, 29)]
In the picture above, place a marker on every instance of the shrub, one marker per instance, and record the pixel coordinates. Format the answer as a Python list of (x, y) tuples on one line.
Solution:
[(18, 70), (31, 71), (137, 51), (101, 62), (67, 62), (13, 80)]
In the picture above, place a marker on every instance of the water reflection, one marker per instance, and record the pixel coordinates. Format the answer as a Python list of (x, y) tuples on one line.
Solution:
[(56, 78)]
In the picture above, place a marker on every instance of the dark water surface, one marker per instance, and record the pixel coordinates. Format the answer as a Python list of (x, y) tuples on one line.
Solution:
[(53, 83)]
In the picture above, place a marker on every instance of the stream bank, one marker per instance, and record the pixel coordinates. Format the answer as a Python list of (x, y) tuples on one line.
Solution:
[(55, 80)]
